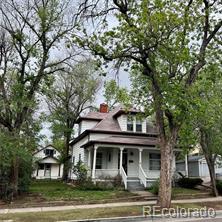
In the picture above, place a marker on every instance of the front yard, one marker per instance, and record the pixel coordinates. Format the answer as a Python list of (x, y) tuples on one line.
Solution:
[(57, 190), (52, 192)]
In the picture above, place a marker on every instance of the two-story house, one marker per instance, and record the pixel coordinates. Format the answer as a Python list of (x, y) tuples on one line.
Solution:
[(47, 164), (118, 142)]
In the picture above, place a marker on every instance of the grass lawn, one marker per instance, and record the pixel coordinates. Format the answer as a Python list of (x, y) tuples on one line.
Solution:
[(57, 190), (93, 213), (181, 191), (73, 214)]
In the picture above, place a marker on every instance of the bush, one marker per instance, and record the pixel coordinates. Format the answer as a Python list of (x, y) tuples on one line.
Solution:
[(80, 171), (88, 184), (155, 187), (219, 186), (189, 183), (117, 181)]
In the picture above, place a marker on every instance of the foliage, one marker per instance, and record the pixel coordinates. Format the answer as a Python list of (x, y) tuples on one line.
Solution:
[(12, 147), (190, 183), (219, 187), (72, 92), (80, 170), (154, 188), (115, 94)]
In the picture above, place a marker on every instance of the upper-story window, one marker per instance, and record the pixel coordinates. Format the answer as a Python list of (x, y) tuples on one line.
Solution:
[(49, 152), (134, 124), (138, 125), (130, 123)]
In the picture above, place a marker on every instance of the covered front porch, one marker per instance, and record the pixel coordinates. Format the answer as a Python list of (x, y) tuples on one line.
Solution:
[(131, 162)]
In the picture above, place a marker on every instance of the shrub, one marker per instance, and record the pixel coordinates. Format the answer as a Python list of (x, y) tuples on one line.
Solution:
[(154, 188), (80, 171), (189, 183), (219, 186), (117, 181), (88, 184)]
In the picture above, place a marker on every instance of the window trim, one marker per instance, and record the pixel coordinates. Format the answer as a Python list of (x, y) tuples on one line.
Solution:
[(101, 164), (154, 159)]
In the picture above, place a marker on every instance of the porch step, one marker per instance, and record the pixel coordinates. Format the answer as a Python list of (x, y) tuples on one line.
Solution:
[(133, 184)]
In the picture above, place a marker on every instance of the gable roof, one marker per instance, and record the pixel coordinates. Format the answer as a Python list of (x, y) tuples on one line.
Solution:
[(43, 148)]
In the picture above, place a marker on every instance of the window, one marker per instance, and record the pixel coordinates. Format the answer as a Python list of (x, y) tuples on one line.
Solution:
[(154, 161), (129, 123), (99, 157), (80, 158), (73, 159), (41, 166), (49, 152), (138, 125)]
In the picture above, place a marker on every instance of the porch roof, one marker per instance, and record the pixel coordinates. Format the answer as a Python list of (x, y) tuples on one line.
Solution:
[(116, 140)]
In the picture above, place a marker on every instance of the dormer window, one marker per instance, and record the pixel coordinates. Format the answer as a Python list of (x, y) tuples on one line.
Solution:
[(49, 152), (138, 125), (129, 123)]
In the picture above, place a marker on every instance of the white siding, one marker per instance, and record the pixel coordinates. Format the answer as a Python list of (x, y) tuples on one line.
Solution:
[(122, 120), (76, 152), (87, 124)]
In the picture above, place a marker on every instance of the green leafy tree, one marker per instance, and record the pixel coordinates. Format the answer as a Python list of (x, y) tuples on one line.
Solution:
[(30, 31), (169, 42), (73, 92), (204, 121), (115, 94)]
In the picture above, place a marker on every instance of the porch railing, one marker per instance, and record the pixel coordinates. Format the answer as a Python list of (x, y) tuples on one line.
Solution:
[(124, 176), (142, 176)]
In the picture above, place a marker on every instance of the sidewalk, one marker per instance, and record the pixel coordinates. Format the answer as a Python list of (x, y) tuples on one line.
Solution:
[(90, 206)]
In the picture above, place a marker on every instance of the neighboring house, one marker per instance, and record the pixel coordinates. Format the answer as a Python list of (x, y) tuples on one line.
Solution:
[(118, 142), (197, 166), (47, 164)]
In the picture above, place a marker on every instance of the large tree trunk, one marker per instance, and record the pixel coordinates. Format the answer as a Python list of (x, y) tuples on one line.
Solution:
[(205, 144), (164, 199), (210, 163), (165, 187)]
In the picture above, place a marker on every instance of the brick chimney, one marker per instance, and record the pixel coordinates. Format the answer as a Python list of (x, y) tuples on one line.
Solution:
[(103, 108)]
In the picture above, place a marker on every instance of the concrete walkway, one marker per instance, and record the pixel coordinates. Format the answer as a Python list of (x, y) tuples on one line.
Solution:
[(90, 206)]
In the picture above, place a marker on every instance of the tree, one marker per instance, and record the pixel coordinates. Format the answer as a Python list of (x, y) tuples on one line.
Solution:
[(30, 31), (169, 42), (115, 94), (205, 118), (73, 92)]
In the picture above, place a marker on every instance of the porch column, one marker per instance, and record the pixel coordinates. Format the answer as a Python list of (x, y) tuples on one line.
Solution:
[(186, 165), (140, 156), (89, 159), (94, 163), (121, 157)]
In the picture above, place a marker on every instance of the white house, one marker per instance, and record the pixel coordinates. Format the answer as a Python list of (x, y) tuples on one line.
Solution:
[(46, 162), (197, 166), (118, 142)]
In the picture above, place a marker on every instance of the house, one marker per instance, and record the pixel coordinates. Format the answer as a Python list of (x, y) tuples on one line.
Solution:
[(47, 164), (197, 166), (118, 142)]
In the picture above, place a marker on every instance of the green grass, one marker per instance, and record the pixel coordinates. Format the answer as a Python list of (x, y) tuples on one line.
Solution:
[(92, 213), (57, 190), (179, 190), (73, 214)]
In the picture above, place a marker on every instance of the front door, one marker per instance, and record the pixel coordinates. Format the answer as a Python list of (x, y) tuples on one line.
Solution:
[(125, 160), (47, 170)]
